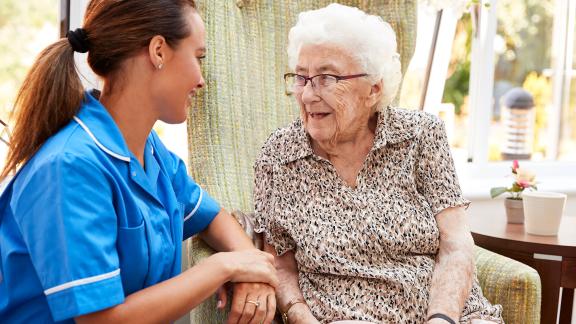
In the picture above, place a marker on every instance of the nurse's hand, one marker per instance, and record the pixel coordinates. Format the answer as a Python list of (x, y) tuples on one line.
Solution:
[(252, 303), (249, 266)]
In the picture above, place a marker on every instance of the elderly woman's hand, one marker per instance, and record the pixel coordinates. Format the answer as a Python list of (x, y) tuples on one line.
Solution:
[(251, 303)]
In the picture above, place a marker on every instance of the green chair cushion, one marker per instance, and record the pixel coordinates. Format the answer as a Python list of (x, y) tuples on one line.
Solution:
[(511, 284)]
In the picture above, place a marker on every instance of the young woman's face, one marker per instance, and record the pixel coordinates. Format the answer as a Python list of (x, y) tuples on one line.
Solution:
[(180, 75)]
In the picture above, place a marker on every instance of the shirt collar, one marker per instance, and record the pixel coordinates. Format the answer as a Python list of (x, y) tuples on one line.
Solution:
[(393, 126), (297, 143), (396, 125), (102, 129)]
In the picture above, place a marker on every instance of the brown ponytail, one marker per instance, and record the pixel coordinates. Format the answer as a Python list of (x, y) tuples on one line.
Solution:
[(47, 100), (52, 92)]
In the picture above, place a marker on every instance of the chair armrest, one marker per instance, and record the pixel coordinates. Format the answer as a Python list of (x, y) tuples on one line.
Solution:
[(511, 284), (247, 223)]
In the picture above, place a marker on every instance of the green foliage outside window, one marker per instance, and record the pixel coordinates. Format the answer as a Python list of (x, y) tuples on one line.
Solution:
[(458, 82), (540, 88)]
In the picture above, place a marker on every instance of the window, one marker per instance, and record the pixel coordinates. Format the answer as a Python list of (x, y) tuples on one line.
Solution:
[(436, 55), (567, 136), (523, 48), (533, 46), (26, 27), (477, 59)]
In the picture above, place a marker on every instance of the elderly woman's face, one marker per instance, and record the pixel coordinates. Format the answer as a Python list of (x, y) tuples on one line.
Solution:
[(337, 112)]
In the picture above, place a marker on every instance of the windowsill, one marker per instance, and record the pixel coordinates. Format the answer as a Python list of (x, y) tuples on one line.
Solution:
[(477, 179)]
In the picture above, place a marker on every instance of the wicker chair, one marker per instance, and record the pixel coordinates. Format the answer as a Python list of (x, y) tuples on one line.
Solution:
[(244, 101)]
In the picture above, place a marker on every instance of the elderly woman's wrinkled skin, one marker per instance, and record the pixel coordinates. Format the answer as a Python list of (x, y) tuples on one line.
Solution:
[(348, 107), (340, 120)]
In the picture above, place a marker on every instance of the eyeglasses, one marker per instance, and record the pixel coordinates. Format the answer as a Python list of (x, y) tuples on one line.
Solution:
[(4, 133), (296, 82)]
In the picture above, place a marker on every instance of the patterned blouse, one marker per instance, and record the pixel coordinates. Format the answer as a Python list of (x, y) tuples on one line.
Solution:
[(364, 253)]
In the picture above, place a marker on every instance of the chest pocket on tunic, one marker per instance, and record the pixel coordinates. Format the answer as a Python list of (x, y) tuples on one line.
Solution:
[(134, 260)]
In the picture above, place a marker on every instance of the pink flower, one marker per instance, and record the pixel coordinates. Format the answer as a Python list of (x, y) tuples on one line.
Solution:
[(523, 179), (524, 184), (523, 175), (515, 166)]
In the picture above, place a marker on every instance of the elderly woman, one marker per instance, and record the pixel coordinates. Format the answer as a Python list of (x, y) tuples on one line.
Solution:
[(360, 200)]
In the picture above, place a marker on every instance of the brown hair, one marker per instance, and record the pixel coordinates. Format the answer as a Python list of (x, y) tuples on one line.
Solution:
[(52, 92)]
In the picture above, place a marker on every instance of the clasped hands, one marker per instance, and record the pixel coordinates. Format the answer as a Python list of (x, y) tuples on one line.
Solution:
[(252, 303)]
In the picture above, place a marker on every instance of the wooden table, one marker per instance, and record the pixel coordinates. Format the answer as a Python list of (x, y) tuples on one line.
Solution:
[(554, 257)]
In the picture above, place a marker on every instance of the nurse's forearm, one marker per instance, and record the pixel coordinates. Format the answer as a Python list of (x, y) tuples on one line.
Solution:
[(454, 269), (169, 300), (225, 234)]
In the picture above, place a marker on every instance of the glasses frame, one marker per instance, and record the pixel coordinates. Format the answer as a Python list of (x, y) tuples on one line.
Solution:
[(306, 79)]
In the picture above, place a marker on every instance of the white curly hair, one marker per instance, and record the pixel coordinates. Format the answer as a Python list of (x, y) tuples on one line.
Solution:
[(368, 39)]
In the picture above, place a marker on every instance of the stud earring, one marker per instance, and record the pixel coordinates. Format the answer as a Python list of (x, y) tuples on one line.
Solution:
[(160, 66)]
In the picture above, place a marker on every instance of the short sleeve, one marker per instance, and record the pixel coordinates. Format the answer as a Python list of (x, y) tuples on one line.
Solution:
[(266, 220), (436, 177), (64, 209), (199, 208)]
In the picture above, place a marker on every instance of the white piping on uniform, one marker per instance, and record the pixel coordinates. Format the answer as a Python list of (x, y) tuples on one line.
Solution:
[(102, 147), (80, 282), (196, 207)]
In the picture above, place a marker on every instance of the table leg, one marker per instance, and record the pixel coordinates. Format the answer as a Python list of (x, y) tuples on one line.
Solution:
[(550, 273), (566, 306)]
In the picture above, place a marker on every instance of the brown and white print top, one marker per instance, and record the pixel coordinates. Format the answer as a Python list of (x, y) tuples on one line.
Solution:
[(364, 253)]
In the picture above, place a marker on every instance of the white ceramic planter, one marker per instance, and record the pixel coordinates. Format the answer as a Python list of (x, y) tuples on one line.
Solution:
[(543, 212)]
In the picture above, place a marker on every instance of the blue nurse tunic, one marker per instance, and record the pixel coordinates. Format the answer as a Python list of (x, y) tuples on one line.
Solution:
[(83, 225)]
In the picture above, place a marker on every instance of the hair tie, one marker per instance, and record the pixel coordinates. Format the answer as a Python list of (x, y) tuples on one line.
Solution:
[(78, 39)]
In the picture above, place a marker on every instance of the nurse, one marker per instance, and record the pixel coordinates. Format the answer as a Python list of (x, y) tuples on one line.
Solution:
[(92, 223)]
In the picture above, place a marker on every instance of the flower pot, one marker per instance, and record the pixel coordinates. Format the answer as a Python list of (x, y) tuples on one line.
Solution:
[(514, 210), (543, 212)]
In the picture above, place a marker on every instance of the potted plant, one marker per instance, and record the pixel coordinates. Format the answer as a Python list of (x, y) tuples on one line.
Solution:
[(523, 179)]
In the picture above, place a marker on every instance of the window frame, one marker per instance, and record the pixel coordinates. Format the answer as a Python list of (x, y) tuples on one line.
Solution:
[(482, 78), (75, 10), (478, 174)]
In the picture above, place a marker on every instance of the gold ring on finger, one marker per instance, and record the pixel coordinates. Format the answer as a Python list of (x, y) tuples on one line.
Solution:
[(256, 303)]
